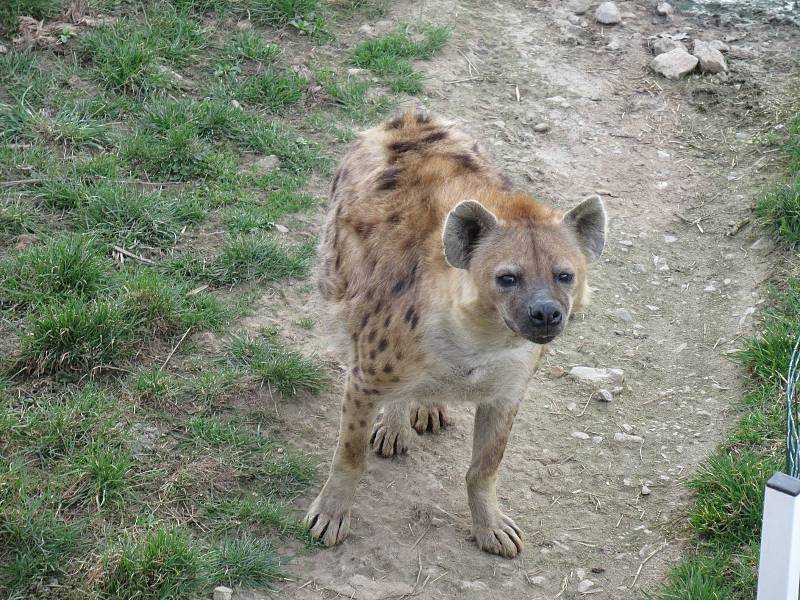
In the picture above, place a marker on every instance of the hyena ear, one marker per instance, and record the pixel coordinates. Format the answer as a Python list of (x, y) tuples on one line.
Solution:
[(588, 221), (464, 226)]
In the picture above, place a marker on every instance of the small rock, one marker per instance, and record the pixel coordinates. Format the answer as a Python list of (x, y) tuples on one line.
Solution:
[(663, 154), (711, 60), (621, 314), (281, 228), (605, 395), (762, 243), (580, 574), (556, 372), (538, 580), (660, 263), (670, 239), (719, 45), (627, 428), (267, 164), (585, 585), (664, 9), (613, 45), (645, 490), (579, 7), (3, 49), (627, 437), (580, 435), (223, 593), (574, 20), (608, 376), (541, 128), (664, 44), (235, 104), (244, 25), (356, 72), (674, 64), (366, 29), (608, 14)]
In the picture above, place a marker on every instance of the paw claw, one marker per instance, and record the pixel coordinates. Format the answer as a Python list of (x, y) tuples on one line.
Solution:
[(431, 418), (501, 537), (328, 520), (386, 441)]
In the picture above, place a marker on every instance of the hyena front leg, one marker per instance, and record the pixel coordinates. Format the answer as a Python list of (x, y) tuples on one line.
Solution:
[(328, 518), (494, 532)]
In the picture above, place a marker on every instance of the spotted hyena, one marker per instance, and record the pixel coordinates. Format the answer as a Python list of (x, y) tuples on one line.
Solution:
[(449, 284)]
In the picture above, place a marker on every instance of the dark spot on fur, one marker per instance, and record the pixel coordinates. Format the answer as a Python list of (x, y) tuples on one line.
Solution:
[(363, 423), (387, 320), (378, 307), (344, 409), (364, 320), (356, 388), (395, 379), (338, 264), (389, 179), (423, 118), (409, 314), (383, 344), (350, 426), (364, 230), (372, 354), (387, 368), (371, 370), (466, 162), (394, 218), (357, 403), (414, 320), (356, 369), (506, 182), (434, 137), (347, 445), (402, 147), (395, 123), (398, 355), (354, 337), (371, 336)]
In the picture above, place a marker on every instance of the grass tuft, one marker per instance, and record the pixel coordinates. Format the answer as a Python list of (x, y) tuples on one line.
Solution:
[(12, 10), (288, 371), (272, 89), (244, 561), (259, 257)]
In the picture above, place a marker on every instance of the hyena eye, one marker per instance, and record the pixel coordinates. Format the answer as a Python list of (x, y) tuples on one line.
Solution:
[(565, 277), (507, 280)]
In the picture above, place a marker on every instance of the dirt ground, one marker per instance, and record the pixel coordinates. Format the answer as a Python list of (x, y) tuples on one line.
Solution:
[(677, 166)]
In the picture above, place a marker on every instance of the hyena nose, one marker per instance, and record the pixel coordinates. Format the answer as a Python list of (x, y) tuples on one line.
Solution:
[(545, 314)]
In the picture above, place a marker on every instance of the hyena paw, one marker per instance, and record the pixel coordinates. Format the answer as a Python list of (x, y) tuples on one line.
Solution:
[(328, 519), (500, 536), (429, 417), (389, 438)]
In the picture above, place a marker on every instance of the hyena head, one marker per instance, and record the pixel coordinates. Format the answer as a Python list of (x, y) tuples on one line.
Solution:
[(527, 271)]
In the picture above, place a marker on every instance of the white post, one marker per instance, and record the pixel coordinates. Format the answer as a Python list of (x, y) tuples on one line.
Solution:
[(779, 567)]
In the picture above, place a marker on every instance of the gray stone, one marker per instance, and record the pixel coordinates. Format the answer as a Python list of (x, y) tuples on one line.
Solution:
[(605, 395), (613, 45), (719, 45), (711, 60), (608, 14), (621, 314), (604, 376), (579, 7), (223, 593), (674, 64), (762, 243), (267, 164), (580, 435), (585, 585), (627, 437), (281, 228), (664, 9), (664, 43), (541, 128), (645, 490)]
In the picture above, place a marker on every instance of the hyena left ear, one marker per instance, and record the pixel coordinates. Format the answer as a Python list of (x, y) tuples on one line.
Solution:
[(464, 226), (588, 221)]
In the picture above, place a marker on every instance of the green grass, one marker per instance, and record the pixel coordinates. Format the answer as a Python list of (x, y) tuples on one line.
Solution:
[(248, 45), (259, 257), (779, 209), (390, 55), (11, 10), (272, 89), (244, 561), (302, 14), (268, 359)]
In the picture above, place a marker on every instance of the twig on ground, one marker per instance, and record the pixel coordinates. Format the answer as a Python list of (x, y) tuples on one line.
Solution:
[(130, 254), (169, 356)]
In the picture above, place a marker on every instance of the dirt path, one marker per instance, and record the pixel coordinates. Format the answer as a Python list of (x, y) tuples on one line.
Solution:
[(685, 293)]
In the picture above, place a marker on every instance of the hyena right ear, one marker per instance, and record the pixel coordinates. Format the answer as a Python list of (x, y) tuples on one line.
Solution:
[(464, 226)]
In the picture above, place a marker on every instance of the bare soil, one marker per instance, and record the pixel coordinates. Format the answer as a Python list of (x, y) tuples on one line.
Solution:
[(678, 166)]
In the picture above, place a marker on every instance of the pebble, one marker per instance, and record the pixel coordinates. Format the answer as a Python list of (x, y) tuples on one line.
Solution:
[(664, 9), (621, 314), (538, 580), (3, 49), (235, 104), (627, 437), (281, 228), (556, 372), (541, 128), (267, 164), (670, 239), (608, 14), (711, 60), (223, 593), (762, 243), (580, 435), (645, 490), (579, 7), (719, 45), (664, 44), (613, 45), (674, 64), (585, 585), (605, 395), (611, 377)]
